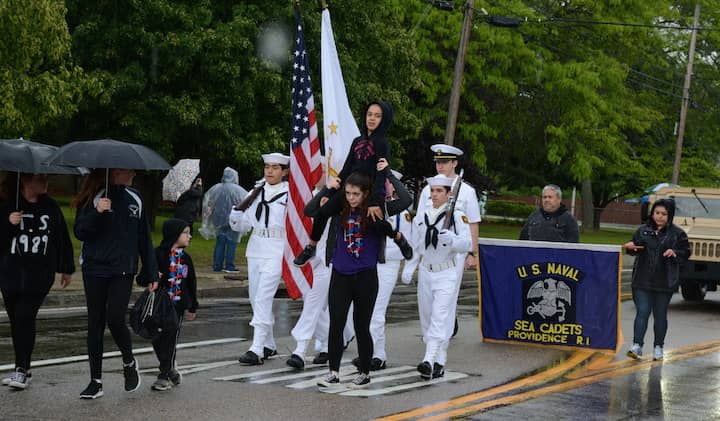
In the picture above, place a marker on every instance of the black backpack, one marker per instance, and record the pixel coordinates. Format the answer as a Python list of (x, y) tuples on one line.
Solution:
[(152, 314)]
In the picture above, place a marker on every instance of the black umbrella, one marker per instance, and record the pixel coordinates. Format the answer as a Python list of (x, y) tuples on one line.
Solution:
[(21, 155), (108, 153), (24, 156)]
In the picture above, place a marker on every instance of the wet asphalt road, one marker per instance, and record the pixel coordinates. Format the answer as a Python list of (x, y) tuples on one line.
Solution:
[(684, 387)]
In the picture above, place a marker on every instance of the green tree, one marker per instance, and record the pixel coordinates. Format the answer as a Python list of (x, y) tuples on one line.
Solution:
[(186, 78), (39, 82)]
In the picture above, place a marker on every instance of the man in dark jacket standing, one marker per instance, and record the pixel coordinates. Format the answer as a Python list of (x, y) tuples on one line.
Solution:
[(551, 222)]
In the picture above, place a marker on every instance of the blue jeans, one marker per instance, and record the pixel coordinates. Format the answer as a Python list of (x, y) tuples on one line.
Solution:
[(647, 301), (225, 246)]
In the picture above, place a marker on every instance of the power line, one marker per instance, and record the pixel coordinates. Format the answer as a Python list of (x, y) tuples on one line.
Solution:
[(673, 85), (505, 21)]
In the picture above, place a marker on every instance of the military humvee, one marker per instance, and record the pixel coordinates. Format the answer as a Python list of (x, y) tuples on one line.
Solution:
[(698, 213)]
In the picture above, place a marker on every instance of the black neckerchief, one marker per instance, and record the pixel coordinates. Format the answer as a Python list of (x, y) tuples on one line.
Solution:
[(431, 234), (265, 204)]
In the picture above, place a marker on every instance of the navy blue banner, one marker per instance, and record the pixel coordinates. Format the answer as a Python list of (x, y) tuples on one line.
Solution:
[(550, 293)]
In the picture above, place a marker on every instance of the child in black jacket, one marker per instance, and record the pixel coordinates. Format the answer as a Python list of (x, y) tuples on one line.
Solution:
[(178, 282), (365, 152)]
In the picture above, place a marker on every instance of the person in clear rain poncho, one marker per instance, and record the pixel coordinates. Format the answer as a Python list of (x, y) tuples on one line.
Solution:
[(217, 204)]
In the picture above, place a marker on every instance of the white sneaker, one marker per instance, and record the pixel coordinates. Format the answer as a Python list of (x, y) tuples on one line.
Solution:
[(658, 353), (21, 380), (6, 381), (635, 351), (15, 377), (330, 381)]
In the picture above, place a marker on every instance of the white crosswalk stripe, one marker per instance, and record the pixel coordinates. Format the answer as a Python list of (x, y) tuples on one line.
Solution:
[(390, 380)]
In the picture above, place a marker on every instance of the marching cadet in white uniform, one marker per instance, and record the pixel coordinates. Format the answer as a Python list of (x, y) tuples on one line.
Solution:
[(446, 161), (265, 216), (314, 320), (437, 250)]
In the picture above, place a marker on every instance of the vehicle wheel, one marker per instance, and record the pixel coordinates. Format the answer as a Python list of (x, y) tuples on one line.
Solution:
[(694, 291)]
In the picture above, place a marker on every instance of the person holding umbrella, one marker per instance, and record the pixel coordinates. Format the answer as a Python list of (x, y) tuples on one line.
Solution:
[(189, 204), (112, 224), (34, 245)]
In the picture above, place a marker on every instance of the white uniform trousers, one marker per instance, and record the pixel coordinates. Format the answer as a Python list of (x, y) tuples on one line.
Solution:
[(314, 319), (263, 279), (437, 299), (387, 278)]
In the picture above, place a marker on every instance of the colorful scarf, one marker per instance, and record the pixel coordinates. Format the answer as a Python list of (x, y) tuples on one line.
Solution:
[(178, 271), (354, 243)]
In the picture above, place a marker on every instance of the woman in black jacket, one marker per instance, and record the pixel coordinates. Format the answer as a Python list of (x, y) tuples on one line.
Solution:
[(34, 245), (661, 247), (114, 229)]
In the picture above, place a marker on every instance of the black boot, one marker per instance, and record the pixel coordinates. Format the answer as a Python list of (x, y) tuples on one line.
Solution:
[(405, 248), (305, 255)]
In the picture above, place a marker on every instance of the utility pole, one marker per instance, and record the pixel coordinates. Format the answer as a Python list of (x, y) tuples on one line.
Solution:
[(459, 69), (685, 98)]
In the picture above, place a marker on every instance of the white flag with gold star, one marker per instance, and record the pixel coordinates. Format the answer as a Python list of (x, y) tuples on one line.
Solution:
[(340, 127)]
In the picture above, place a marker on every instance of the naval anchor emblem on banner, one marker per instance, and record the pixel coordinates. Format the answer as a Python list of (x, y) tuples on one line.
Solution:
[(550, 294), (549, 299)]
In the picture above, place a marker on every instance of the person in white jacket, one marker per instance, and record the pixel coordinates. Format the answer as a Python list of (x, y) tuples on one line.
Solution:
[(436, 251), (264, 214)]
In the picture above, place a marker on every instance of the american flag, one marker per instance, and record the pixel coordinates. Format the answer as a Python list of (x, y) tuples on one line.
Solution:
[(305, 169)]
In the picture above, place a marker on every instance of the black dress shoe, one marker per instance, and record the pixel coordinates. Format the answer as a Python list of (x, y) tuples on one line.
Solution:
[(438, 370), (321, 358), (296, 362), (250, 358), (377, 364), (267, 352), (425, 370), (356, 362), (405, 247)]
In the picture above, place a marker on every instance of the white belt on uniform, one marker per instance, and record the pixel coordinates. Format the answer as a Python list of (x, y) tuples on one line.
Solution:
[(439, 267), (269, 232)]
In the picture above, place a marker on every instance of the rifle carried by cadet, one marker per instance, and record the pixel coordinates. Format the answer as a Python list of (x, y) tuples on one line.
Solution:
[(452, 200)]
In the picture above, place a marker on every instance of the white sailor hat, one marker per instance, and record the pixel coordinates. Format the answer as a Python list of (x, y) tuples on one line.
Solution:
[(440, 180), (275, 158), (397, 174), (443, 151)]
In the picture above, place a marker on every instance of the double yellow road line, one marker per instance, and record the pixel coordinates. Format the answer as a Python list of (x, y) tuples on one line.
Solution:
[(580, 369)]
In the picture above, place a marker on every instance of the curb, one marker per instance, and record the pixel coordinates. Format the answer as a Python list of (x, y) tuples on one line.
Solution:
[(236, 288)]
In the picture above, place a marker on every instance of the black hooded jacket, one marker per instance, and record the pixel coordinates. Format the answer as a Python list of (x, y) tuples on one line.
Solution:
[(366, 150), (558, 226), (171, 229), (113, 241), (652, 270), (189, 205)]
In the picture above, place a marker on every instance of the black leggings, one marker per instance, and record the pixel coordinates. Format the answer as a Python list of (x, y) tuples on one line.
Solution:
[(107, 301), (165, 345), (360, 289), (22, 310)]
